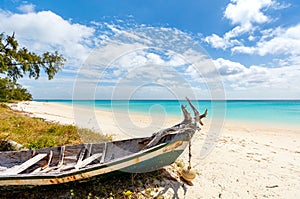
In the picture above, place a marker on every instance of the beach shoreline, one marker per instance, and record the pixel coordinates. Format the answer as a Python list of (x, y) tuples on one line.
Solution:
[(248, 160)]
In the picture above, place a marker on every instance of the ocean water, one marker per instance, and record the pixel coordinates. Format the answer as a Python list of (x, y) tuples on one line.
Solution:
[(277, 112)]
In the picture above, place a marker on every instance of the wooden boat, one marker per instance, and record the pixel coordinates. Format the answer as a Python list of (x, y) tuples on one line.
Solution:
[(78, 162)]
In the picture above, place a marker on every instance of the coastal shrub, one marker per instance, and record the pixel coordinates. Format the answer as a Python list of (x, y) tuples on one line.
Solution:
[(88, 135), (10, 90), (41, 142)]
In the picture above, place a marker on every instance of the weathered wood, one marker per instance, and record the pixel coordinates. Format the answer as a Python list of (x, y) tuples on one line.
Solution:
[(66, 167), (49, 160), (160, 134), (62, 155), (36, 171), (46, 165), (82, 163), (124, 154), (89, 150), (88, 160), (197, 117), (18, 169), (103, 153), (60, 162), (187, 123), (2, 168), (81, 155), (186, 114)]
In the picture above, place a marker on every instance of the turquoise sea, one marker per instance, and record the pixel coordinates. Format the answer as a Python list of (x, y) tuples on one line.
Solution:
[(277, 112)]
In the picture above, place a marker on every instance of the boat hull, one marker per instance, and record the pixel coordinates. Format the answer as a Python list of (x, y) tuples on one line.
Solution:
[(145, 161)]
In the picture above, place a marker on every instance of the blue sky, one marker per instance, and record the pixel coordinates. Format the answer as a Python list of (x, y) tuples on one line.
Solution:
[(253, 47)]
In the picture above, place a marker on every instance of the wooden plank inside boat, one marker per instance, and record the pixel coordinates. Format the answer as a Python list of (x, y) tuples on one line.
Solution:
[(18, 169)]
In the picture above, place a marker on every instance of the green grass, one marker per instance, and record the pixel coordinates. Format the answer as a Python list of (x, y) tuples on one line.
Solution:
[(35, 133)]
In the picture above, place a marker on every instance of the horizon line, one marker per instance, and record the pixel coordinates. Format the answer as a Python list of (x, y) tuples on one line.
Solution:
[(232, 99)]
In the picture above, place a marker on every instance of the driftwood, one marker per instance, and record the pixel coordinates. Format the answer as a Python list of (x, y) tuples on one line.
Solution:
[(197, 117), (188, 124)]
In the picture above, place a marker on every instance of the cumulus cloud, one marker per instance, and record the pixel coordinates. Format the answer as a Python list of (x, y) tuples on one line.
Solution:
[(227, 67), (247, 12), (46, 31), (257, 80), (245, 15), (218, 42), (283, 41)]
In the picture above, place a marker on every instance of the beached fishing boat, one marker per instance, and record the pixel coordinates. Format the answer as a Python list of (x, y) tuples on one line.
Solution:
[(63, 164)]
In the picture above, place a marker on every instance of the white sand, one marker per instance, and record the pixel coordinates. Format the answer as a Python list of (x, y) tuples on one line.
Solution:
[(248, 161), (117, 124)]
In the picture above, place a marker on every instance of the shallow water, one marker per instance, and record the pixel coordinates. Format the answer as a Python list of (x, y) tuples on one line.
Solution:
[(285, 112)]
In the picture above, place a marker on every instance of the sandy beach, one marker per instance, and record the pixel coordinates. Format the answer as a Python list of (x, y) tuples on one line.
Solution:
[(248, 161)]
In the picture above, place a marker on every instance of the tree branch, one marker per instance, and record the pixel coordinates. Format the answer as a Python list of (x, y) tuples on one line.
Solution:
[(7, 43)]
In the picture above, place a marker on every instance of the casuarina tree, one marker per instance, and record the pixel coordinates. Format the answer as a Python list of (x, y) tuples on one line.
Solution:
[(16, 62)]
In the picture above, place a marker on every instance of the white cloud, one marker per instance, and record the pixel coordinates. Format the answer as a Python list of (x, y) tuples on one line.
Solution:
[(176, 60), (247, 12), (26, 8), (259, 81), (245, 15), (251, 38), (283, 41), (286, 41), (227, 67), (47, 31), (217, 41), (243, 49)]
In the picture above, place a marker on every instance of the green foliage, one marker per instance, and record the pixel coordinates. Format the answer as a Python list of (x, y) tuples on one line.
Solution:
[(10, 90), (16, 62)]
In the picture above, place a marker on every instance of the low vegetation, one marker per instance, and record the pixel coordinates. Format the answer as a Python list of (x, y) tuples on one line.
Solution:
[(35, 133), (10, 91)]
